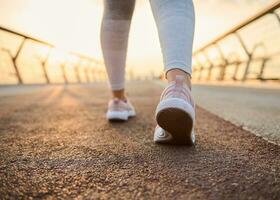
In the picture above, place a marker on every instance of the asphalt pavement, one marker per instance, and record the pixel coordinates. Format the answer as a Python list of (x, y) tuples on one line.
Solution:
[(255, 108), (56, 143)]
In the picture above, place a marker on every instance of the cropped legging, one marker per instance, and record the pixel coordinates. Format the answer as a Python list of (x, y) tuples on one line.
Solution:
[(175, 24)]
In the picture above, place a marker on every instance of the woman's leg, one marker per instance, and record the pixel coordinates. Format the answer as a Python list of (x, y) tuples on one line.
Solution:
[(114, 40), (175, 112), (175, 23)]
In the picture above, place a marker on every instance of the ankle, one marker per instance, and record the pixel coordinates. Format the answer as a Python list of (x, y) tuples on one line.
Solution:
[(119, 94), (171, 76)]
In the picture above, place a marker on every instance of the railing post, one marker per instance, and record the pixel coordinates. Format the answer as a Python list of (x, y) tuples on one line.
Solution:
[(277, 16), (93, 75), (44, 63), (86, 73), (223, 66), (260, 76), (235, 63), (88, 70), (249, 55), (14, 59), (200, 69), (236, 70), (77, 72), (210, 67), (264, 60), (62, 67)]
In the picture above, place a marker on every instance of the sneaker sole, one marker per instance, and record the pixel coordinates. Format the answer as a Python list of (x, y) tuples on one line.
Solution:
[(177, 117), (119, 116)]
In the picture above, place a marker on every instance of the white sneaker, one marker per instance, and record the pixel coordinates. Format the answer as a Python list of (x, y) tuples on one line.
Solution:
[(175, 114), (119, 110)]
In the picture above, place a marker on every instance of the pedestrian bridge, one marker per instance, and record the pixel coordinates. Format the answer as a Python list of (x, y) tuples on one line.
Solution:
[(56, 143)]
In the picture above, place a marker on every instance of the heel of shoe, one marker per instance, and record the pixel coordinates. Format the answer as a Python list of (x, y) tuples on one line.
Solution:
[(177, 117), (117, 115)]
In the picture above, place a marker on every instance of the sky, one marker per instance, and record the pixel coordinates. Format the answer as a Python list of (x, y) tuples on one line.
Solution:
[(75, 24)]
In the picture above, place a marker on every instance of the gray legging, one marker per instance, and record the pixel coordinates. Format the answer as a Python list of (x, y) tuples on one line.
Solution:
[(175, 23)]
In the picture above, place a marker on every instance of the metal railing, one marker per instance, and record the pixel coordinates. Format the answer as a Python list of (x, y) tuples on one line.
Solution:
[(82, 65), (247, 51)]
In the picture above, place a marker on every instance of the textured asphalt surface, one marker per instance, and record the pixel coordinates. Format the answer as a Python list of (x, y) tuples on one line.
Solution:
[(57, 144)]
